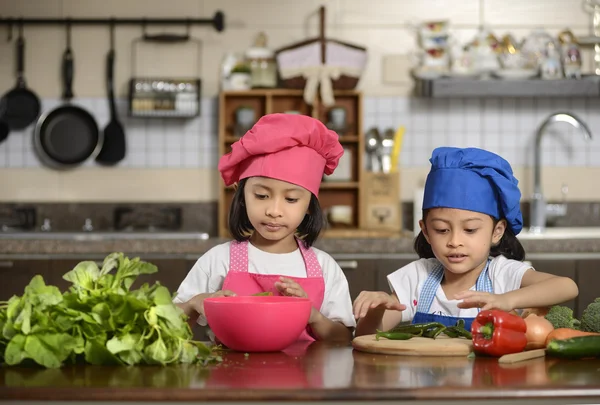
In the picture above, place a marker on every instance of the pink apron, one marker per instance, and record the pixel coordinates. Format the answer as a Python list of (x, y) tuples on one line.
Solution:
[(242, 282)]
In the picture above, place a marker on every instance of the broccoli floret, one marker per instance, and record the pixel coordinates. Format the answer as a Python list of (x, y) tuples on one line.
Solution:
[(562, 317), (590, 319)]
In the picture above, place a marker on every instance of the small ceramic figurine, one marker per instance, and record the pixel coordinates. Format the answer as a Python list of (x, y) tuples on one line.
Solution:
[(571, 55), (551, 67)]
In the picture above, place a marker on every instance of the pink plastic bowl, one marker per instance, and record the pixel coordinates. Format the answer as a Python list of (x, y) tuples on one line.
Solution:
[(257, 323)]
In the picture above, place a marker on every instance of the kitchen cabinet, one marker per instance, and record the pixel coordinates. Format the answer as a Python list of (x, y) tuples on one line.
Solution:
[(16, 274), (360, 273), (563, 268), (385, 267), (588, 281)]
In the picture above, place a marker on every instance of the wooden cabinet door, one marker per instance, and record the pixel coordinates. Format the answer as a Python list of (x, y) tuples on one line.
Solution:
[(588, 281), (16, 274), (386, 267), (564, 268), (360, 274)]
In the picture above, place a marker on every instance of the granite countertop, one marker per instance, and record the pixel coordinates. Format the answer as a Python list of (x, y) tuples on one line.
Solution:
[(191, 247), (318, 373)]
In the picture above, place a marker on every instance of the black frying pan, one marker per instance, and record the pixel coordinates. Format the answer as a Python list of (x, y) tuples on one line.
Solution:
[(68, 135), (20, 107)]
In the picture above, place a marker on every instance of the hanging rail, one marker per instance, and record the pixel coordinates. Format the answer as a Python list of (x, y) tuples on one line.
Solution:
[(218, 21)]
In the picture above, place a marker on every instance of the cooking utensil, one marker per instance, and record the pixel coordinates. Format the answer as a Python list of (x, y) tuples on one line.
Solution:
[(257, 323), (385, 150), (20, 106), (398, 138), (416, 346), (68, 135), (372, 145), (114, 146), (4, 130)]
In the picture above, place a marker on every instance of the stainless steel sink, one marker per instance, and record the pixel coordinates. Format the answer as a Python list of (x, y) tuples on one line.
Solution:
[(562, 233), (103, 236)]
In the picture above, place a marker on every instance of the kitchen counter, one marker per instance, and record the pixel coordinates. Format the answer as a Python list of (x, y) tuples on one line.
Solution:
[(318, 373), (196, 247)]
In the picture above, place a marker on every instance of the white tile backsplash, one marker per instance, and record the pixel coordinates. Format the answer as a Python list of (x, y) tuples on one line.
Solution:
[(506, 126), (554, 13)]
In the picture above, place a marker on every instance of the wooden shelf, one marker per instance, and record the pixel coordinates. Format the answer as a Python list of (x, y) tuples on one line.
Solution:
[(328, 185), (343, 139), (588, 86), (262, 92), (267, 101)]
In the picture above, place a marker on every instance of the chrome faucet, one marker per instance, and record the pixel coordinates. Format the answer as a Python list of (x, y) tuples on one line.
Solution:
[(539, 209)]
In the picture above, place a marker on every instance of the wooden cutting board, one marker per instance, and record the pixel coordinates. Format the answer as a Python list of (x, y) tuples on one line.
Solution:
[(417, 346)]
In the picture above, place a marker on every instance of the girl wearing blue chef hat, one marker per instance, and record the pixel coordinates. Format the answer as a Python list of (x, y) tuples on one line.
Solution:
[(470, 258)]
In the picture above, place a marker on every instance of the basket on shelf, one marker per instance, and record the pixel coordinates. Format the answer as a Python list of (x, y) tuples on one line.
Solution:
[(321, 63)]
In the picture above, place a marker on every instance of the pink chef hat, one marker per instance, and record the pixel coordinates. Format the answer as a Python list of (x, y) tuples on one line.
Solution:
[(288, 147)]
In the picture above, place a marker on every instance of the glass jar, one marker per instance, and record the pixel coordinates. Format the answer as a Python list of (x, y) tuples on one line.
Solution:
[(263, 67)]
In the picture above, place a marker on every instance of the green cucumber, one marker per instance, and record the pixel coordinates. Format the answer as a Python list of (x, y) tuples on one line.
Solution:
[(575, 348)]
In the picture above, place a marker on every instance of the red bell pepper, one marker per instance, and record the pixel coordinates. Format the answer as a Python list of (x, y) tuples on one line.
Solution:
[(497, 333)]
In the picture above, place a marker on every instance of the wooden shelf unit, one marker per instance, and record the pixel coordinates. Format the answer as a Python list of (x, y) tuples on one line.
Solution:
[(281, 100)]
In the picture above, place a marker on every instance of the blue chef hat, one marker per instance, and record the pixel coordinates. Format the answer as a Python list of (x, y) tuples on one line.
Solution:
[(475, 180)]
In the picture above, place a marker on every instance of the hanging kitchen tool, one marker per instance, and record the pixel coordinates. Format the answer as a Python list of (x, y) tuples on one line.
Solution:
[(20, 107), (165, 97), (68, 135), (4, 130), (114, 146)]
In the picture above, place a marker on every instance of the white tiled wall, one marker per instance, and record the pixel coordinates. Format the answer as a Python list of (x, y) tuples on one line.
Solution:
[(506, 126), (151, 143)]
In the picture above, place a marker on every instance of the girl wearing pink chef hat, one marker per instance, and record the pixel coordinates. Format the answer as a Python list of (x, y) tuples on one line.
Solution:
[(275, 218)]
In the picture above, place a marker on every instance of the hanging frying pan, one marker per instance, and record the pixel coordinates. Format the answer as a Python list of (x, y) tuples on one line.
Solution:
[(20, 107), (68, 135)]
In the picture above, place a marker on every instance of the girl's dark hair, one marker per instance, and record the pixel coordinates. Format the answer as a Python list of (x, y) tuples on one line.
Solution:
[(509, 246), (241, 229)]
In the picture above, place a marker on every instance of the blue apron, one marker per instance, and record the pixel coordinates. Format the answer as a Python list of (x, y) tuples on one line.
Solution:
[(484, 283)]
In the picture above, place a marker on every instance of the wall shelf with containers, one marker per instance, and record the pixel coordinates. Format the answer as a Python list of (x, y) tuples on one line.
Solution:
[(340, 193)]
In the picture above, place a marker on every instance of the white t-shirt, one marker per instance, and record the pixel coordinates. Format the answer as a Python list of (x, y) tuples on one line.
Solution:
[(208, 275), (408, 281)]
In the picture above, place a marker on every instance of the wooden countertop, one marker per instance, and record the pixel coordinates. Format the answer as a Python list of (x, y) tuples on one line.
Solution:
[(318, 373)]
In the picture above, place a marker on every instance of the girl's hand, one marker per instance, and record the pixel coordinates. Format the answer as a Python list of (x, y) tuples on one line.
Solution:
[(197, 301), (289, 287), (368, 300), (483, 300)]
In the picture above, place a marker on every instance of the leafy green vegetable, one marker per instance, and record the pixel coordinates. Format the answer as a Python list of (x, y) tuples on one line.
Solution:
[(98, 320)]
